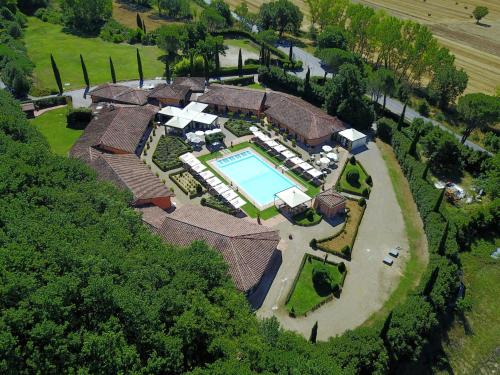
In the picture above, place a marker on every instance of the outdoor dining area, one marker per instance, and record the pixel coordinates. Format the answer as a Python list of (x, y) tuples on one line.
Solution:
[(214, 184), (314, 173), (199, 137)]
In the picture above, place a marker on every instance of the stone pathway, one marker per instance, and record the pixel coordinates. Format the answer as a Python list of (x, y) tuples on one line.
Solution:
[(369, 282)]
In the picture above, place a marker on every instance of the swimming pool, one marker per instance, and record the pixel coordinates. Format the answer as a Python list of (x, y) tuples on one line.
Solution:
[(258, 179)]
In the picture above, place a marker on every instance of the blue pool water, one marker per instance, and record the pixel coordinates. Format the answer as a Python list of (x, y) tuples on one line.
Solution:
[(259, 180)]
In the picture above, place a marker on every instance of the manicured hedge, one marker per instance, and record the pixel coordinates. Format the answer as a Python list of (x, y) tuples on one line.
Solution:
[(233, 70), (239, 81), (168, 150), (52, 101)]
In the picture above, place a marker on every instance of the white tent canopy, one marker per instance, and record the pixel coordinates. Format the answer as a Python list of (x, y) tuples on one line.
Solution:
[(199, 168), (327, 148), (272, 143), (288, 154), (195, 106), (230, 195), (187, 156), (221, 188), (305, 166), (332, 156), (178, 122), (206, 175), (295, 160), (237, 202), (214, 181), (314, 173), (192, 162), (352, 134), (280, 148), (293, 197)]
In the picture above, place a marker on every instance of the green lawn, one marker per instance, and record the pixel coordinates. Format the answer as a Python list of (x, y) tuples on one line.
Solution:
[(472, 351), (244, 44), (52, 125), (415, 266), (307, 218), (257, 86), (249, 208), (305, 296), (356, 188), (43, 38)]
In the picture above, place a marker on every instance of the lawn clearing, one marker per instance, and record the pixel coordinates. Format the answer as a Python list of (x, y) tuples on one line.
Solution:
[(257, 86), (244, 44), (417, 241), (473, 351), (44, 38), (168, 150), (305, 296), (341, 244), (352, 187), (53, 126)]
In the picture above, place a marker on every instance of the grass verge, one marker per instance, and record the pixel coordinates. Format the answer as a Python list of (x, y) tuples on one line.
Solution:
[(53, 126), (417, 241)]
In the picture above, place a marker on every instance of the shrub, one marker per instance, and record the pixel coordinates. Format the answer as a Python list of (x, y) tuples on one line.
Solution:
[(321, 279), (423, 108), (78, 118), (53, 101), (369, 180), (313, 243), (365, 193), (199, 189), (346, 250), (353, 177), (341, 267), (362, 202), (203, 201), (384, 128), (352, 160), (115, 32)]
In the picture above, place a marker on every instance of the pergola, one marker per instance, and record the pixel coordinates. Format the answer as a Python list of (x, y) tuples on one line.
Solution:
[(294, 200)]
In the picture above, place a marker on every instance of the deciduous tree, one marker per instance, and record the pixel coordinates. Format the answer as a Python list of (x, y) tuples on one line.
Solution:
[(478, 111), (479, 13)]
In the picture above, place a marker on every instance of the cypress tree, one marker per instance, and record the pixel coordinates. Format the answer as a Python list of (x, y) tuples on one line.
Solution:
[(261, 55), (112, 67), (402, 117), (306, 81), (167, 70), (385, 328), (268, 58), (57, 75), (240, 64), (139, 21), (206, 70), (139, 67), (290, 53), (84, 70), (217, 65), (144, 26), (314, 333)]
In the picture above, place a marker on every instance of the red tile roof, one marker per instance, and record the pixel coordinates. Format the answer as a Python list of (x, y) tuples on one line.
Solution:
[(330, 198), (196, 84), (233, 96), (164, 91), (120, 94), (300, 116), (247, 248)]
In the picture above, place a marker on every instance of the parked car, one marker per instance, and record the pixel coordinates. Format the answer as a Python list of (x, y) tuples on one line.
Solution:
[(394, 253), (388, 261)]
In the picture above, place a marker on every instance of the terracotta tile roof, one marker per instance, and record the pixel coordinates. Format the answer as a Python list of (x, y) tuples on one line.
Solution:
[(128, 172), (164, 91), (330, 198), (120, 94), (233, 96), (196, 84), (120, 128), (247, 248), (302, 117)]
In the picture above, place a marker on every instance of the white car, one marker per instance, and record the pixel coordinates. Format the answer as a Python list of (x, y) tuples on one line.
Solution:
[(388, 261), (394, 253)]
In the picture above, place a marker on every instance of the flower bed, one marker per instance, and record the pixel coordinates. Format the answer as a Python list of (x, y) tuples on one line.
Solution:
[(239, 128), (217, 204), (341, 243), (166, 155), (307, 292), (348, 182), (307, 218), (187, 183)]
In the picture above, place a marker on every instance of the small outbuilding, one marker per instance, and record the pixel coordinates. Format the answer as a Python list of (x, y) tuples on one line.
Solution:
[(330, 203), (352, 139), (28, 109)]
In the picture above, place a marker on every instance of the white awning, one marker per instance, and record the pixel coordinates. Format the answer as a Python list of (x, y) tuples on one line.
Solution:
[(192, 162), (280, 148), (230, 195), (178, 122), (288, 154), (221, 188), (187, 156), (199, 168), (305, 166), (272, 143), (295, 160), (214, 181), (352, 134), (170, 111), (314, 173), (237, 202), (196, 106), (293, 197), (206, 175)]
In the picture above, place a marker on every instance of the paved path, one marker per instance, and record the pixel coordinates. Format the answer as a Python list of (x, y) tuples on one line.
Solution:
[(369, 282)]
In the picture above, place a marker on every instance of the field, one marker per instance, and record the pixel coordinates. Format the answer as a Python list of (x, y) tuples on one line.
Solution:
[(43, 38), (471, 350), (52, 125), (305, 296), (476, 47)]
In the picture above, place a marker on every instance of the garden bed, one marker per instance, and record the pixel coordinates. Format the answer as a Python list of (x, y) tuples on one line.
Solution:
[(341, 244), (307, 293), (354, 179), (187, 183), (307, 218), (217, 204), (166, 155), (239, 128)]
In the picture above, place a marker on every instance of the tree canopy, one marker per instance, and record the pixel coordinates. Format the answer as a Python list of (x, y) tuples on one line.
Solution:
[(280, 15), (86, 16), (478, 111)]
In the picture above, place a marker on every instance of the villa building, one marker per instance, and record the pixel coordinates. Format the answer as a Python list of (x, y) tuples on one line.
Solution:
[(224, 98), (196, 84), (330, 203), (169, 95), (249, 249), (309, 124), (118, 94)]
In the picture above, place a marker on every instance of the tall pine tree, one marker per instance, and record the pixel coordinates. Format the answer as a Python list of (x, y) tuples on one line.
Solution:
[(240, 64), (112, 68), (314, 333), (85, 74), (57, 75), (138, 20), (290, 53), (139, 68), (217, 65)]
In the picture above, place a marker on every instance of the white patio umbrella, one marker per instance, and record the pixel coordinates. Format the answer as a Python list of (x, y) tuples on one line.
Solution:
[(214, 181), (192, 162), (288, 154), (272, 143), (206, 175), (327, 148), (185, 157), (280, 148), (196, 139), (332, 156), (221, 188), (216, 130), (325, 161), (237, 202), (199, 133), (305, 166), (229, 195), (198, 168)]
